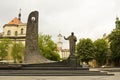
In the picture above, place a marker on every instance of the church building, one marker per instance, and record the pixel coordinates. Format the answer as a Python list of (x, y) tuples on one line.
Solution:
[(15, 30)]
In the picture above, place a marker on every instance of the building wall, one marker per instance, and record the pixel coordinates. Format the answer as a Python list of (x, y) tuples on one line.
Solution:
[(13, 29), (19, 38), (64, 53), (24, 30)]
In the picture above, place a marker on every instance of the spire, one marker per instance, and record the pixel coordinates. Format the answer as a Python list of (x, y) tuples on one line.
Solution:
[(117, 22), (117, 18), (19, 15)]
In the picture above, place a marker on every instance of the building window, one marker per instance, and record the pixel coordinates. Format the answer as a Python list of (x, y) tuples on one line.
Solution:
[(16, 33), (22, 31), (8, 32)]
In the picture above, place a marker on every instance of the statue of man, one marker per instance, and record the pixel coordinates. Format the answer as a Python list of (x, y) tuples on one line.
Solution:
[(72, 42)]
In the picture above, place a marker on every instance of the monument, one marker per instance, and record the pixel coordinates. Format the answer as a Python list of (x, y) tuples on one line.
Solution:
[(37, 65), (72, 60), (32, 53), (72, 42)]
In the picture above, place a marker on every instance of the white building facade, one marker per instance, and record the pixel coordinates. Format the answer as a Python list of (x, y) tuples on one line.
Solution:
[(64, 53)]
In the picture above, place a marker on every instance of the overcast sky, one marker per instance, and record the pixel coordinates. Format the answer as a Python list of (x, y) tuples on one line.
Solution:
[(86, 18)]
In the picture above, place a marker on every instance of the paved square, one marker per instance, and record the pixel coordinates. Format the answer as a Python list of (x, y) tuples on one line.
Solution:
[(115, 77)]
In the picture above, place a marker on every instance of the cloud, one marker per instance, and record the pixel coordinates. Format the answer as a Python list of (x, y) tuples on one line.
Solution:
[(77, 16), (57, 6)]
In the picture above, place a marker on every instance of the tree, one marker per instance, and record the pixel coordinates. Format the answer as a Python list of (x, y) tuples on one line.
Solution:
[(17, 51), (4, 45), (85, 50), (101, 51), (48, 48), (114, 39)]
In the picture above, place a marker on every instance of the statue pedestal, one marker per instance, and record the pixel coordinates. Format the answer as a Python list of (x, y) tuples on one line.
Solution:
[(72, 61)]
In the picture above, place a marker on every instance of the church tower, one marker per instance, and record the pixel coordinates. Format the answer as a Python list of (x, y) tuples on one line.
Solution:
[(117, 22), (59, 43)]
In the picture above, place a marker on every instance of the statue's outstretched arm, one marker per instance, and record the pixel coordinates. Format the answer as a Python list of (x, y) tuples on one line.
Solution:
[(65, 38)]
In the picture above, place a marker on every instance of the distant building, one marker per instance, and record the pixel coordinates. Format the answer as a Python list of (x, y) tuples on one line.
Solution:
[(64, 53), (117, 22), (16, 31), (59, 43)]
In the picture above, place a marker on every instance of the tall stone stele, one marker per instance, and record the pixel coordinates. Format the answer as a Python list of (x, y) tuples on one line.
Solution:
[(32, 53)]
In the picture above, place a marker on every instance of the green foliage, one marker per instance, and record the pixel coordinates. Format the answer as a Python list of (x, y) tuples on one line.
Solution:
[(85, 50), (101, 51), (17, 51), (4, 45), (114, 39), (48, 48)]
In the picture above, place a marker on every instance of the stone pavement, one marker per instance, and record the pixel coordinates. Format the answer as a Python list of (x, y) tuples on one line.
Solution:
[(115, 77)]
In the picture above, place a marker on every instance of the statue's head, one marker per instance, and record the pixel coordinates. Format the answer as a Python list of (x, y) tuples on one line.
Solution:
[(72, 33)]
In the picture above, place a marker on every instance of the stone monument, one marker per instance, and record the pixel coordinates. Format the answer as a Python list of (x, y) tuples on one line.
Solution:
[(32, 53), (37, 65), (72, 42), (72, 60)]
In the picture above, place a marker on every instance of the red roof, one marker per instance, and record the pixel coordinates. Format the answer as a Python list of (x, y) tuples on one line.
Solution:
[(15, 21)]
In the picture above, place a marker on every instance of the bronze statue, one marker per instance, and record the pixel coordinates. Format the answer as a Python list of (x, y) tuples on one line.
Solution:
[(72, 42)]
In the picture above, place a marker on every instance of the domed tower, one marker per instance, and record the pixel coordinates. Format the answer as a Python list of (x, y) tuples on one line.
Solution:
[(59, 43)]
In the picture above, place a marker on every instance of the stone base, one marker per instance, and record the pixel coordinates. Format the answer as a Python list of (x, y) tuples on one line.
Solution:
[(43, 70), (34, 57), (72, 61), (48, 69)]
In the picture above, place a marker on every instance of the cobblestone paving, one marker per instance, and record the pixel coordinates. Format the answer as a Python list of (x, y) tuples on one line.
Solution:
[(115, 77)]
